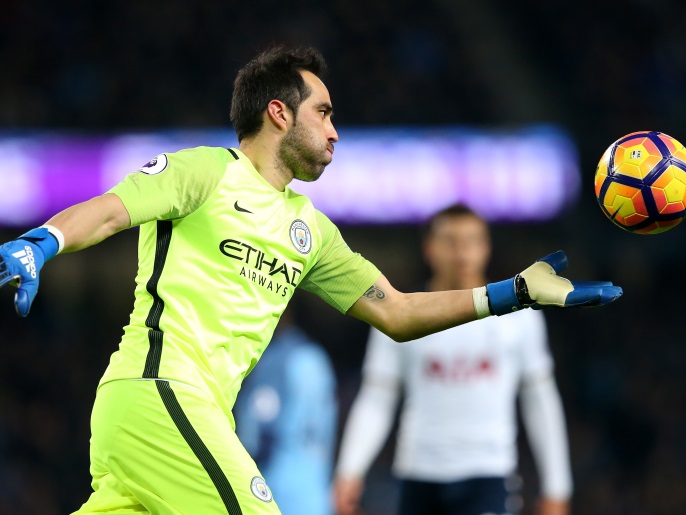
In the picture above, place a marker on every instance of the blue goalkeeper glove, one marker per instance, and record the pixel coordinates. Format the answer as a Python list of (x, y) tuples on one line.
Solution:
[(21, 261), (539, 286)]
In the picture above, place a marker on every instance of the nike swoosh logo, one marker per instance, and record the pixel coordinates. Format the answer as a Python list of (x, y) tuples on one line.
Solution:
[(241, 209)]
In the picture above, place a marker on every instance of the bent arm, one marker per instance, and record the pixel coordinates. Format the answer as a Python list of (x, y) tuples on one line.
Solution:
[(408, 316), (91, 222)]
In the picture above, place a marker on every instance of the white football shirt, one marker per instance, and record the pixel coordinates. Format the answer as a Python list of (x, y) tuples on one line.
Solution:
[(459, 417)]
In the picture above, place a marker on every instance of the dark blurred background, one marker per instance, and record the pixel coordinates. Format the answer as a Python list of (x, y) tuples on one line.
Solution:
[(598, 69)]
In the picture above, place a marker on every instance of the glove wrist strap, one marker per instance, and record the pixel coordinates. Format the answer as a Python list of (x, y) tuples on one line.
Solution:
[(57, 234), (502, 297), (42, 238), (480, 298)]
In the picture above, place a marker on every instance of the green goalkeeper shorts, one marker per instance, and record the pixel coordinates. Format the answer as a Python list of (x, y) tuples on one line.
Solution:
[(166, 448)]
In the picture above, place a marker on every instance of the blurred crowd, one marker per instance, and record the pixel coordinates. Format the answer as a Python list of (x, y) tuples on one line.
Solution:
[(99, 65), (600, 70), (121, 64)]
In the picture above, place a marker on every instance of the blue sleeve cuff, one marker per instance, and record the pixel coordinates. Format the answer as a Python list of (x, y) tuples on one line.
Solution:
[(502, 297)]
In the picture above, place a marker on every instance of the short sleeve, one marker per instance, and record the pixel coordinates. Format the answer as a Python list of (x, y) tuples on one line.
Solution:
[(339, 276), (383, 359), (535, 358), (172, 185)]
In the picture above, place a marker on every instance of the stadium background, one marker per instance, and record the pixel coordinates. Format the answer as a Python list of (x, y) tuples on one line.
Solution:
[(599, 70)]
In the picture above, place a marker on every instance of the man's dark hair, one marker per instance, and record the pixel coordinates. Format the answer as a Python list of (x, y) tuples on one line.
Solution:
[(452, 211), (272, 75)]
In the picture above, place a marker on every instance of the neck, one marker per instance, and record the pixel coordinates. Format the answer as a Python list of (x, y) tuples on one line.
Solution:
[(264, 158), (437, 283)]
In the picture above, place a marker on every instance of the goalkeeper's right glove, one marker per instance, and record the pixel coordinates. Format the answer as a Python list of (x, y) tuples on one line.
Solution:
[(539, 286), (22, 259)]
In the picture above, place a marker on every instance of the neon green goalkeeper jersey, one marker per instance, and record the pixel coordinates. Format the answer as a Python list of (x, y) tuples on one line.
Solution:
[(220, 254)]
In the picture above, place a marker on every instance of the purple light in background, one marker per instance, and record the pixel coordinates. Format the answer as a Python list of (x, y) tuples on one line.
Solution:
[(377, 176), (22, 193), (396, 176)]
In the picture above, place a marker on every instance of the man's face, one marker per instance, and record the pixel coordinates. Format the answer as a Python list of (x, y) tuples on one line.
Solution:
[(307, 147), (458, 247)]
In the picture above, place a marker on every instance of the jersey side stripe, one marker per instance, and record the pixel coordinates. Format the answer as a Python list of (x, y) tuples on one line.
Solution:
[(155, 334), (198, 447)]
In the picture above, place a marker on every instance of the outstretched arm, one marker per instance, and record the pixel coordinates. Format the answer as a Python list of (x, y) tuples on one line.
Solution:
[(404, 316), (169, 187), (408, 316), (77, 227), (90, 222)]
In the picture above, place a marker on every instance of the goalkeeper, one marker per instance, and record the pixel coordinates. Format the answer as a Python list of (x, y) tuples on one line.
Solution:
[(223, 244)]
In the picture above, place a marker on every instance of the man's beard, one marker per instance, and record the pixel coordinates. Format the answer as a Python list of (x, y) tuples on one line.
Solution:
[(298, 154)]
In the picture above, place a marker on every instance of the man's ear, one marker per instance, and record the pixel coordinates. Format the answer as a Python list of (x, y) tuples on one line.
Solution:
[(279, 115)]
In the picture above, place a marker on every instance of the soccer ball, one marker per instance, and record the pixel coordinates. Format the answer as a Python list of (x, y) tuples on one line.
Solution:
[(640, 182)]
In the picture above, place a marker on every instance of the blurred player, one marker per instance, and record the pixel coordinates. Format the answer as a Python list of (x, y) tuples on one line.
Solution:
[(286, 418), (223, 243), (457, 438)]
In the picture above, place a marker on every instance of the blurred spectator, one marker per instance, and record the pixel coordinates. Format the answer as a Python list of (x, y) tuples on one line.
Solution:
[(286, 419), (456, 450)]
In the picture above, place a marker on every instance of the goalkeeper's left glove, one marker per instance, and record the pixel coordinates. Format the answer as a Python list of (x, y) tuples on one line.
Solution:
[(22, 259), (539, 286)]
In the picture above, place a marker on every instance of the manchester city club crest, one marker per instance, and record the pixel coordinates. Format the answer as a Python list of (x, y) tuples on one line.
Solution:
[(259, 488), (301, 236)]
